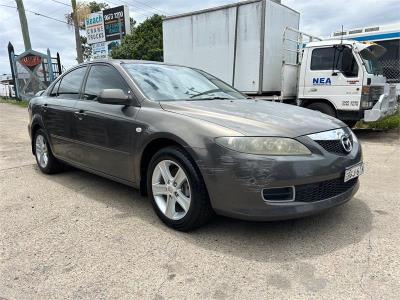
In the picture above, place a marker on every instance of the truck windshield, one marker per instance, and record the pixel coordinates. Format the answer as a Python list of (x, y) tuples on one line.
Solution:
[(173, 83), (371, 63)]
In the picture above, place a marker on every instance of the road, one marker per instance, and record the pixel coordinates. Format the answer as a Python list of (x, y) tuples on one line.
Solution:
[(77, 235)]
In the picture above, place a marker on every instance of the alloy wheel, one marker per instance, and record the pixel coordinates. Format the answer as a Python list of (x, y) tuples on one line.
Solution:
[(171, 189), (41, 150)]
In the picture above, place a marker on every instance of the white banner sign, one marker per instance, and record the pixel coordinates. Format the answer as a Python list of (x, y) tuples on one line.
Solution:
[(100, 50), (95, 28)]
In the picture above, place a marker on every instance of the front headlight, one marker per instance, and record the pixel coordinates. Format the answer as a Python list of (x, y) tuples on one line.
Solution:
[(264, 145)]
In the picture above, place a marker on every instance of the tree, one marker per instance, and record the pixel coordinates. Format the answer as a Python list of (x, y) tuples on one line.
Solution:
[(83, 10), (144, 43)]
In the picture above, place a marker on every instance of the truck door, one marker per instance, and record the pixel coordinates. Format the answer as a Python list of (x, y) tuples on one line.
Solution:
[(333, 73)]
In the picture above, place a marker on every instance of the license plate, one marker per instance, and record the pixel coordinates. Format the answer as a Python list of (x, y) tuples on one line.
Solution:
[(354, 172)]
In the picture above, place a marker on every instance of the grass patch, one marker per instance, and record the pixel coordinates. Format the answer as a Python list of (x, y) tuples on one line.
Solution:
[(21, 103), (390, 122)]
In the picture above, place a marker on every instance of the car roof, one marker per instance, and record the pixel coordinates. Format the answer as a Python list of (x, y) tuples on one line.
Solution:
[(127, 61)]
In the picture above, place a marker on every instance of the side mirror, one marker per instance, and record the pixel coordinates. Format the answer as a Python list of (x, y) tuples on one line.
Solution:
[(115, 96)]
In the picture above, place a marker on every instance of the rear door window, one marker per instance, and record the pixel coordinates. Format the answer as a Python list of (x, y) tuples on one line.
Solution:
[(71, 83), (54, 91)]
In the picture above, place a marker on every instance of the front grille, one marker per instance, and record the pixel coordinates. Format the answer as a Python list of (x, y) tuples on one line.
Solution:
[(334, 146), (323, 190)]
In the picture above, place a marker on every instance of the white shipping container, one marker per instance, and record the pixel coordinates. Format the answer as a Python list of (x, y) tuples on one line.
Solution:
[(240, 43)]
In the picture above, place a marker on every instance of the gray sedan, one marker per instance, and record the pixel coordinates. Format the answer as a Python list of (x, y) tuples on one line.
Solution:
[(193, 144)]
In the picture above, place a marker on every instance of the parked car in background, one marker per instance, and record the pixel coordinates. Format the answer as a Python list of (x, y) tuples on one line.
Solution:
[(193, 144)]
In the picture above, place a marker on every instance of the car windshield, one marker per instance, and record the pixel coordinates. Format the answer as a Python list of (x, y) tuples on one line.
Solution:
[(173, 83), (371, 63)]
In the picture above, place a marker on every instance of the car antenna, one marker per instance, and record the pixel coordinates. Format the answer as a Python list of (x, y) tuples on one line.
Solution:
[(341, 36)]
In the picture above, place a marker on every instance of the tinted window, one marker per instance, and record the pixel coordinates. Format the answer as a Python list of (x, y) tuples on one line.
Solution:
[(54, 91), (103, 77), (322, 59), (71, 84), (331, 59)]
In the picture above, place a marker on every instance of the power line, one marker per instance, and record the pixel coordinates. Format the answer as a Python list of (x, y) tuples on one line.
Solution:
[(39, 14), (163, 12), (134, 9), (66, 4), (8, 6), (142, 8)]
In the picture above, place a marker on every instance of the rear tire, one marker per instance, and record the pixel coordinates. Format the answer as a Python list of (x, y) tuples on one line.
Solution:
[(323, 107), (197, 210), (45, 159)]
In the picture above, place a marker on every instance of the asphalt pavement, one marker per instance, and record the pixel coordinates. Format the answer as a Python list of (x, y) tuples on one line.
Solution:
[(76, 235)]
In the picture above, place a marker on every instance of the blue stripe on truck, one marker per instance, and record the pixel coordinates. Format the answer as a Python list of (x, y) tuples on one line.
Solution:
[(377, 37)]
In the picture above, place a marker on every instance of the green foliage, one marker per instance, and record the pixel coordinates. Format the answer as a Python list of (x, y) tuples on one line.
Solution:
[(389, 122), (144, 43), (20, 103), (97, 6)]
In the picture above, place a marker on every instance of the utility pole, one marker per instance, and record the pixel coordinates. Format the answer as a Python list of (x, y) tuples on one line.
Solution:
[(24, 24), (77, 34)]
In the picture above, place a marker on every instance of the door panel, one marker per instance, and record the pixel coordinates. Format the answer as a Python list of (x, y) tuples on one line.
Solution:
[(324, 80), (58, 111), (58, 120), (105, 132), (105, 136)]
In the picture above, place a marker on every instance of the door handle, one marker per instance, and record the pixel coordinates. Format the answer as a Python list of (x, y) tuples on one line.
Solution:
[(313, 90), (79, 114)]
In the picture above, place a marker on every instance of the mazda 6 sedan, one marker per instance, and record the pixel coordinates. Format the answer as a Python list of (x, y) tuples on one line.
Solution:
[(193, 144)]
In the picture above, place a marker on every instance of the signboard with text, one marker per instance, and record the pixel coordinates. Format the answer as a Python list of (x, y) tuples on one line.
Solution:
[(116, 22), (99, 50), (95, 28), (104, 30)]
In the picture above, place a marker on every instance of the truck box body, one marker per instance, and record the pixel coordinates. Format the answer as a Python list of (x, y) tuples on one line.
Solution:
[(239, 43)]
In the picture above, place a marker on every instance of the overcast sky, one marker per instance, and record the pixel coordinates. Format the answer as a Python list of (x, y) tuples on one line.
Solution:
[(319, 17)]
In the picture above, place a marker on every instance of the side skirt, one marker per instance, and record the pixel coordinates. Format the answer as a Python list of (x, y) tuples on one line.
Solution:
[(95, 172)]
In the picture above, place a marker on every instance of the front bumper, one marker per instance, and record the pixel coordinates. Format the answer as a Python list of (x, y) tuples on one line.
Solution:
[(235, 180), (386, 106)]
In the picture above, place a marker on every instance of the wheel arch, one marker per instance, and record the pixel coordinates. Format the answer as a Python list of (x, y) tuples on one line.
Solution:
[(152, 147), (306, 102), (37, 123)]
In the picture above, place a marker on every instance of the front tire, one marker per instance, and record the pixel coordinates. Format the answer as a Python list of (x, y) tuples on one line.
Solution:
[(350, 123), (177, 190), (45, 159)]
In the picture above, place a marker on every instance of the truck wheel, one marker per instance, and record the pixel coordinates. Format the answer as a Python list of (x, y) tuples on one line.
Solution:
[(323, 107), (351, 123), (177, 190)]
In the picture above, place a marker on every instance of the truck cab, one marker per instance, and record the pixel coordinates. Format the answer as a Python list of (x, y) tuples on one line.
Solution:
[(343, 78)]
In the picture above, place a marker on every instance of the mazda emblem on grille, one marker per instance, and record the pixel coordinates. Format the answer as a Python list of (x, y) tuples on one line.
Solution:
[(346, 143)]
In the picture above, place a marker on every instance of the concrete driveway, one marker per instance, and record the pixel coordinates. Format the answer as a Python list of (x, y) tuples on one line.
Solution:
[(76, 235)]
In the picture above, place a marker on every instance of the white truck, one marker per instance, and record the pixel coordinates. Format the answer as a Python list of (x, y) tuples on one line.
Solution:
[(256, 47), (387, 36)]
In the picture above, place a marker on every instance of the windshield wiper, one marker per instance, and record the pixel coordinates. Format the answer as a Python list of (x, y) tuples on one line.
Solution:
[(207, 92), (208, 98)]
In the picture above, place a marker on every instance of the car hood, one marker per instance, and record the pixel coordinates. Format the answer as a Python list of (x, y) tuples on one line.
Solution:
[(256, 117)]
